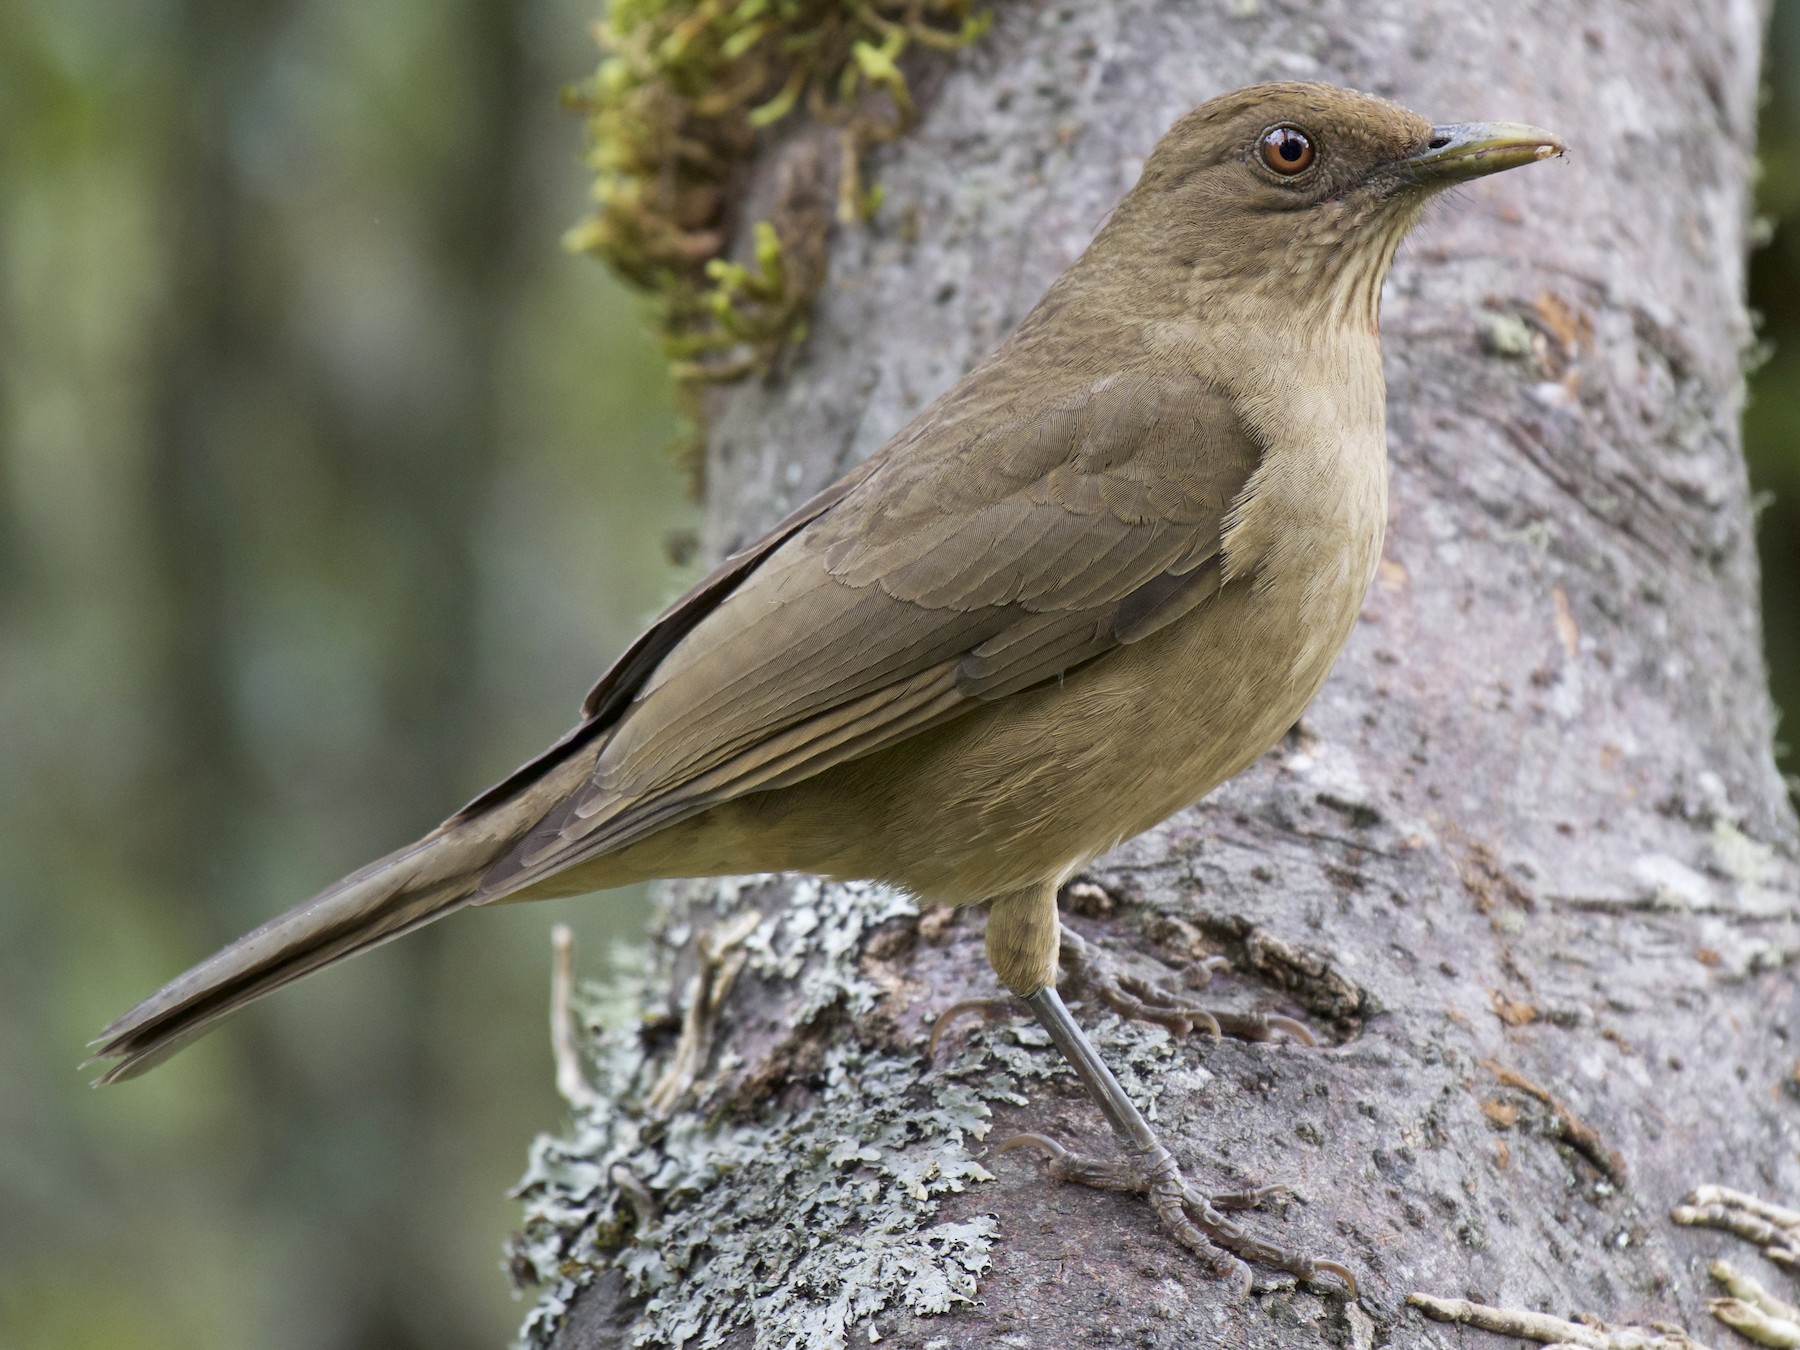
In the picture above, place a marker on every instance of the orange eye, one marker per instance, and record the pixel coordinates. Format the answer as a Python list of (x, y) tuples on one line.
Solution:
[(1287, 150)]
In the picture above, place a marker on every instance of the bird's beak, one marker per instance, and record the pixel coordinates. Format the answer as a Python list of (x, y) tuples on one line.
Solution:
[(1465, 150)]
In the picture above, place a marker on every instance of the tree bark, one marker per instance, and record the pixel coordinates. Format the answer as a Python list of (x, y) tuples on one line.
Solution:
[(1526, 864)]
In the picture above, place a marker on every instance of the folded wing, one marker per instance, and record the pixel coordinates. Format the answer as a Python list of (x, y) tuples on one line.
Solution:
[(954, 567)]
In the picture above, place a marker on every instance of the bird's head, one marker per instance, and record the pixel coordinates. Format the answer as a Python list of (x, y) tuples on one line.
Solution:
[(1300, 193)]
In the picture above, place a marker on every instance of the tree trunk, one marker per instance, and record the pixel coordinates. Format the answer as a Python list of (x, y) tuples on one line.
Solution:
[(1526, 865)]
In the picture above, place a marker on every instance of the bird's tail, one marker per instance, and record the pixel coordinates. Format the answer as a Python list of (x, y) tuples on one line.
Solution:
[(403, 891)]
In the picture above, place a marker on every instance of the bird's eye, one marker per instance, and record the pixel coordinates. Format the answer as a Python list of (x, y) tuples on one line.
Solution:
[(1287, 150)]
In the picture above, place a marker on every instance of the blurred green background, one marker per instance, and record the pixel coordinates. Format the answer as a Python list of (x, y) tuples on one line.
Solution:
[(1772, 421), (327, 484)]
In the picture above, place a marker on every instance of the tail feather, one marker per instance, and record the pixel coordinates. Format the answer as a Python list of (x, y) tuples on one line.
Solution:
[(384, 900), (394, 895)]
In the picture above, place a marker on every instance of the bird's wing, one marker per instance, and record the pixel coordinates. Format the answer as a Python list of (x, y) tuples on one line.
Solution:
[(614, 690), (957, 566)]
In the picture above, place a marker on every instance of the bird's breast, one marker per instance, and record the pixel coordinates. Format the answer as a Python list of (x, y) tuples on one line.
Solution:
[(1185, 710), (1036, 784), (1306, 531), (1328, 508)]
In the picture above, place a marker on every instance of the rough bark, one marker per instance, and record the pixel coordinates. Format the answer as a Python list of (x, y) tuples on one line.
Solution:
[(1531, 833)]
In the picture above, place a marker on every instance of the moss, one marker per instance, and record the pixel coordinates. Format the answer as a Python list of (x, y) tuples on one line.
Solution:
[(684, 95)]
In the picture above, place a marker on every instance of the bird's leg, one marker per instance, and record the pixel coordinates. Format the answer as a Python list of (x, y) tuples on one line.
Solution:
[(1022, 945), (1195, 1219), (1143, 1001)]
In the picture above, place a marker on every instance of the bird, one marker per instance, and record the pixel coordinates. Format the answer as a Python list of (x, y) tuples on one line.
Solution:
[(1100, 575)]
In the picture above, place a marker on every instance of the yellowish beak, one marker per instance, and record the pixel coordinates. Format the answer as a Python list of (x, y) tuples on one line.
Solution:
[(1465, 150)]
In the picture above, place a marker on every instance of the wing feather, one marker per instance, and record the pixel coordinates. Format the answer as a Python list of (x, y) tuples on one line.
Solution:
[(955, 567)]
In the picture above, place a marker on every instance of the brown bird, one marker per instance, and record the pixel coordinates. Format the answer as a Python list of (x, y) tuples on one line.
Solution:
[(1098, 577)]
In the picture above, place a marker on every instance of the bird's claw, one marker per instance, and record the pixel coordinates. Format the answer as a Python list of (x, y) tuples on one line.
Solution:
[(1141, 1000), (1342, 1272), (1265, 1027), (1195, 1219), (989, 1008)]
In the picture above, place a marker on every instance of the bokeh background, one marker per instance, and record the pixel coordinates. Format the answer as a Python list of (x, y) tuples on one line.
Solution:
[(327, 484)]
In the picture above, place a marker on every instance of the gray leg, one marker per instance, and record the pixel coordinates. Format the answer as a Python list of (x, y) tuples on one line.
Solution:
[(1195, 1219)]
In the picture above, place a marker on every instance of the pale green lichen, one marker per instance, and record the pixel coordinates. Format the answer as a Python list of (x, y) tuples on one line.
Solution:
[(1507, 335), (1745, 860), (802, 1223), (819, 919), (1150, 1064)]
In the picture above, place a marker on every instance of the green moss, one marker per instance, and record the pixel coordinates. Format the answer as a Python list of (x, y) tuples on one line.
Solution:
[(684, 95)]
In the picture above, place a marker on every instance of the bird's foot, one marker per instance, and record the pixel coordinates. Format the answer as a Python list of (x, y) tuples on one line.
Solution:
[(1192, 1217), (1090, 967)]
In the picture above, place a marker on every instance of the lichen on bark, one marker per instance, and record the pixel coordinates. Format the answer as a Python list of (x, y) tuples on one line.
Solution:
[(867, 1150)]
